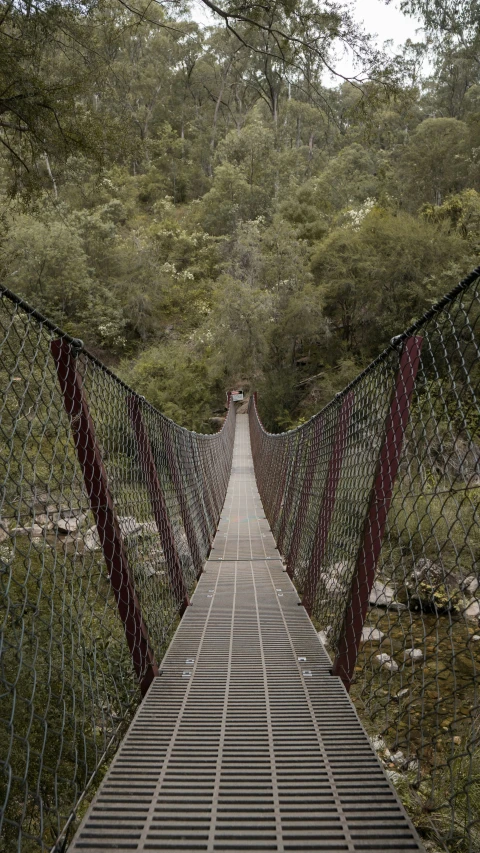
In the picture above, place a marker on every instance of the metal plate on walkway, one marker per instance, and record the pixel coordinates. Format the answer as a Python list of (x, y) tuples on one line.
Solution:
[(246, 742)]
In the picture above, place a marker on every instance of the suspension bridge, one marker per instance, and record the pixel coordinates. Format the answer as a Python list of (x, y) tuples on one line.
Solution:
[(218, 620)]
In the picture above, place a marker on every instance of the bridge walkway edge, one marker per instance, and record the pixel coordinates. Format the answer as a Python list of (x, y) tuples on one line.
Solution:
[(245, 741)]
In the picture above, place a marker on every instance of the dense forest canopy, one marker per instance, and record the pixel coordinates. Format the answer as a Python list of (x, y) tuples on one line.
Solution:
[(204, 212)]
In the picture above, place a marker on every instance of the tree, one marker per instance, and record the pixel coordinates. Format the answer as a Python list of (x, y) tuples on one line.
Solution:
[(50, 54), (378, 275), (435, 161)]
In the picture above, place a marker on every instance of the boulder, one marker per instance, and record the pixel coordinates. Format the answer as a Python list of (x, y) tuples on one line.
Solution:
[(394, 777), (339, 570), (129, 525), (475, 638), (72, 512), (35, 531), (387, 662), (402, 693), (426, 571), (373, 634), (67, 525), (331, 584), (398, 758), (381, 595), (435, 589), (472, 611), (414, 654), (151, 569), (470, 584), (91, 540)]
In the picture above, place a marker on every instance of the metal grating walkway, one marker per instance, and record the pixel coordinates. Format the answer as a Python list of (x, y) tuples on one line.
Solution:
[(245, 742)]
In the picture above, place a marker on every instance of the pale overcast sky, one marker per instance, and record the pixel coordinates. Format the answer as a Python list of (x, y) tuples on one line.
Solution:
[(387, 22)]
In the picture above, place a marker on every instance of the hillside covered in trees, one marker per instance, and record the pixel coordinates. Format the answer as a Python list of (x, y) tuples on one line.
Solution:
[(204, 212)]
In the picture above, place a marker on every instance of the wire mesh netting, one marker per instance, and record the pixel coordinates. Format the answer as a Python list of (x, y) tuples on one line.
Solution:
[(107, 514), (375, 505)]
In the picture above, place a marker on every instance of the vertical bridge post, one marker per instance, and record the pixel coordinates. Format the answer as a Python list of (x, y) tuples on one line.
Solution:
[(159, 506), (328, 502), (103, 509), (378, 507)]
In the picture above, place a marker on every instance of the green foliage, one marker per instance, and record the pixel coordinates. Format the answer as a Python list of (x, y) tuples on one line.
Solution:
[(211, 215), (205, 213)]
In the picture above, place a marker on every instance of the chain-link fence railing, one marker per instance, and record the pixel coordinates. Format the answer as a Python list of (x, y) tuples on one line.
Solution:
[(107, 514), (375, 505)]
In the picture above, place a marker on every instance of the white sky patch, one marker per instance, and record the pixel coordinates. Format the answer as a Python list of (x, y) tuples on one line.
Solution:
[(202, 14), (386, 23)]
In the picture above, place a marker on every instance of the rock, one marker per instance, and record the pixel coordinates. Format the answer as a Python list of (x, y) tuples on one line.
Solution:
[(398, 758), (473, 610), (381, 595), (426, 571), (472, 587), (402, 693), (35, 530), (149, 527), (91, 540), (42, 519), (413, 765), (67, 525), (333, 577), (394, 777), (387, 662), (378, 743), (129, 525), (372, 634), (38, 501), (475, 638), (75, 512), (339, 570), (150, 570), (322, 637), (68, 540), (3, 534), (470, 584), (436, 589), (414, 654), (331, 584)]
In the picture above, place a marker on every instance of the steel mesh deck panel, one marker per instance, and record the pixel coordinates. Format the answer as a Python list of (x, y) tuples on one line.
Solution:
[(245, 742)]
